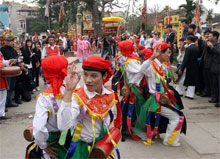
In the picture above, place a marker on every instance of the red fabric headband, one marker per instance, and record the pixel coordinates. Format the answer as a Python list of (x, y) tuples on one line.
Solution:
[(55, 70), (99, 63)]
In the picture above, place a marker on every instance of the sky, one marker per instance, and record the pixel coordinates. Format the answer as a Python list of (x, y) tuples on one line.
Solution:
[(162, 3)]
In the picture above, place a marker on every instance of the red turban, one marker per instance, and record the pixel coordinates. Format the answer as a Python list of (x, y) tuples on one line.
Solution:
[(137, 40), (55, 70), (164, 46), (140, 47), (126, 47), (147, 53), (96, 63)]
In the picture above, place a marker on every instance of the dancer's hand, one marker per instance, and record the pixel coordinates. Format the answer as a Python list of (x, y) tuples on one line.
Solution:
[(156, 53), (73, 78), (50, 150)]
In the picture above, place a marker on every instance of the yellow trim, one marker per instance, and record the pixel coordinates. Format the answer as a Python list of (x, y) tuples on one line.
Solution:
[(89, 111), (129, 61), (59, 96), (31, 148)]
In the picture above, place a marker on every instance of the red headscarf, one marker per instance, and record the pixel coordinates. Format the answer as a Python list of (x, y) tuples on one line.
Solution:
[(127, 49), (164, 46), (147, 53), (97, 63), (137, 41), (140, 47), (55, 70)]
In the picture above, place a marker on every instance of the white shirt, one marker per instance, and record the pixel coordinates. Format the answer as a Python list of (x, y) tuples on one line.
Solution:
[(147, 70), (133, 72), (64, 41), (42, 126), (68, 117)]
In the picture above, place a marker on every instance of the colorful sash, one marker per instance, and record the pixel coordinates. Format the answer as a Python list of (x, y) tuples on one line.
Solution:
[(94, 108)]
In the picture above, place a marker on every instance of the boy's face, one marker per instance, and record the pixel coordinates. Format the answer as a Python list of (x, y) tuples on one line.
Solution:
[(93, 80)]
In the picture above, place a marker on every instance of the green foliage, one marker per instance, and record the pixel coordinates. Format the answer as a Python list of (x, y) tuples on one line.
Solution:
[(41, 23), (189, 9)]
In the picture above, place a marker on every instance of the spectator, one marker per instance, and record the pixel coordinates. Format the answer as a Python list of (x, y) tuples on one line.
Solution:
[(190, 63), (148, 42), (63, 38), (214, 48), (36, 62), (106, 46), (192, 29), (50, 48), (156, 39), (22, 87), (28, 54), (205, 62), (185, 29), (9, 53), (170, 38)]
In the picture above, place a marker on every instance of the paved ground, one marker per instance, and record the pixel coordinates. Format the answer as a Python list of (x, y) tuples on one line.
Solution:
[(202, 139)]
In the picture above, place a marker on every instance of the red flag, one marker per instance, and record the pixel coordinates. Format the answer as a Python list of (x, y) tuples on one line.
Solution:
[(144, 10), (169, 17), (35, 35)]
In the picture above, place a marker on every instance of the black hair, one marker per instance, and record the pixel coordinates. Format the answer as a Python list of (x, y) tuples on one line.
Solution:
[(102, 71), (51, 36), (182, 39), (207, 31), (215, 33), (170, 26), (165, 50), (28, 40), (193, 26), (191, 38), (184, 21), (37, 42)]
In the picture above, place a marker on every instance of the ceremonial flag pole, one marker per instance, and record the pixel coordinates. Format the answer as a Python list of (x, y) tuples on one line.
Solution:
[(47, 12), (196, 19), (144, 13)]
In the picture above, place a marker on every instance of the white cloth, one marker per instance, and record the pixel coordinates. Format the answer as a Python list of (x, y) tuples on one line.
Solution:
[(133, 72), (6, 63), (173, 116), (181, 89), (41, 124), (3, 95), (64, 41), (147, 70), (122, 60), (180, 56), (68, 114)]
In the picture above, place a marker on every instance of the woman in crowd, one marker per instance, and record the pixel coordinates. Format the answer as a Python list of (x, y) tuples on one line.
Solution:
[(36, 63)]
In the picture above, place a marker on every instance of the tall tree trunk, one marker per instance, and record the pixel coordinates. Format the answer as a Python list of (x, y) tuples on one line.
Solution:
[(97, 19)]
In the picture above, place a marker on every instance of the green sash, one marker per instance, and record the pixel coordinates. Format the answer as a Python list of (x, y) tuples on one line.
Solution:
[(61, 150), (82, 149)]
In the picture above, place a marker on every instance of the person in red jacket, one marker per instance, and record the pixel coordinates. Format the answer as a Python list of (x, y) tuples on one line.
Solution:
[(50, 49), (4, 86)]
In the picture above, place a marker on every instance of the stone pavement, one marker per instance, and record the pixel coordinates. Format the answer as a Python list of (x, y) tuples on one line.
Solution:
[(201, 141)]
